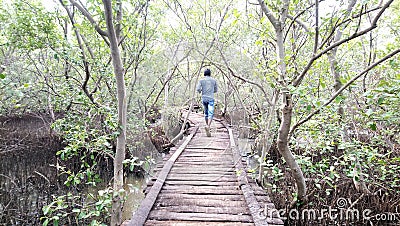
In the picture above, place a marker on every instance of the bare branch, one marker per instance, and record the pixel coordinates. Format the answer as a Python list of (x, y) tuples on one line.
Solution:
[(340, 23), (285, 12), (351, 81), (299, 22), (89, 17), (316, 26), (296, 82), (242, 78), (269, 14), (118, 20), (80, 40)]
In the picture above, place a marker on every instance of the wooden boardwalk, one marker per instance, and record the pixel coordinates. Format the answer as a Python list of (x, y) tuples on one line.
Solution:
[(203, 182)]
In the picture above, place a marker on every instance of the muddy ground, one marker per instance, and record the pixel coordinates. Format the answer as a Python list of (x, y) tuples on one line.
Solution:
[(28, 175)]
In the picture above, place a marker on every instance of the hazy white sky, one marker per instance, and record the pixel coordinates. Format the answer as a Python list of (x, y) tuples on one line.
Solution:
[(50, 4), (325, 6)]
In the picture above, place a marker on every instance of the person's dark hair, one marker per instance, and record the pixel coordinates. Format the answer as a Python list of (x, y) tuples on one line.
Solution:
[(207, 72)]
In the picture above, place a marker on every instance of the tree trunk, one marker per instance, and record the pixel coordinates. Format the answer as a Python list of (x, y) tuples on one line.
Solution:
[(283, 146), (116, 215), (287, 113), (283, 133)]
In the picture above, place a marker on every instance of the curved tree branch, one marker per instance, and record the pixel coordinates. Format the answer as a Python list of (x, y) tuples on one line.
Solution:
[(340, 23), (86, 66), (296, 82), (299, 22), (268, 13), (91, 20), (351, 81), (316, 26)]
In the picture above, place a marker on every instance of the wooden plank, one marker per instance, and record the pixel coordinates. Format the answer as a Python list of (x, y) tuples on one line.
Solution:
[(209, 184), (179, 165), (196, 154), (209, 151), (205, 209), (199, 177), (200, 202), (214, 158), (236, 197), (192, 187), (199, 167), (191, 223), (255, 208), (204, 171), (206, 164), (199, 183), (141, 214), (216, 141), (202, 149), (189, 154), (209, 155), (208, 181), (202, 191), (205, 147), (214, 148), (205, 190), (166, 215), (217, 135), (274, 221), (264, 198)]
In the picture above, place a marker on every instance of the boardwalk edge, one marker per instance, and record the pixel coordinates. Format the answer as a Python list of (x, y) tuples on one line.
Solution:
[(141, 214)]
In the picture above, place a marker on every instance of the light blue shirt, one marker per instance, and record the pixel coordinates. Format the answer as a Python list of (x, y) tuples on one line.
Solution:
[(207, 86)]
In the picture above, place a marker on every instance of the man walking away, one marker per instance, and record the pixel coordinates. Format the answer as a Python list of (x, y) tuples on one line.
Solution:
[(207, 86)]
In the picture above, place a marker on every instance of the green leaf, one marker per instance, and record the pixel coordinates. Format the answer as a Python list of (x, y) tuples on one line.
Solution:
[(2, 76), (259, 42), (46, 222), (46, 209), (372, 126), (82, 215), (380, 100), (339, 99)]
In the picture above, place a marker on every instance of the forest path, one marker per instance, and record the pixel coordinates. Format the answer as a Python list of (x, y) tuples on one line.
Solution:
[(204, 182)]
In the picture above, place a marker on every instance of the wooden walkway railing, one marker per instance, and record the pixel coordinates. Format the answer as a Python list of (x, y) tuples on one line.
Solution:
[(204, 182)]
